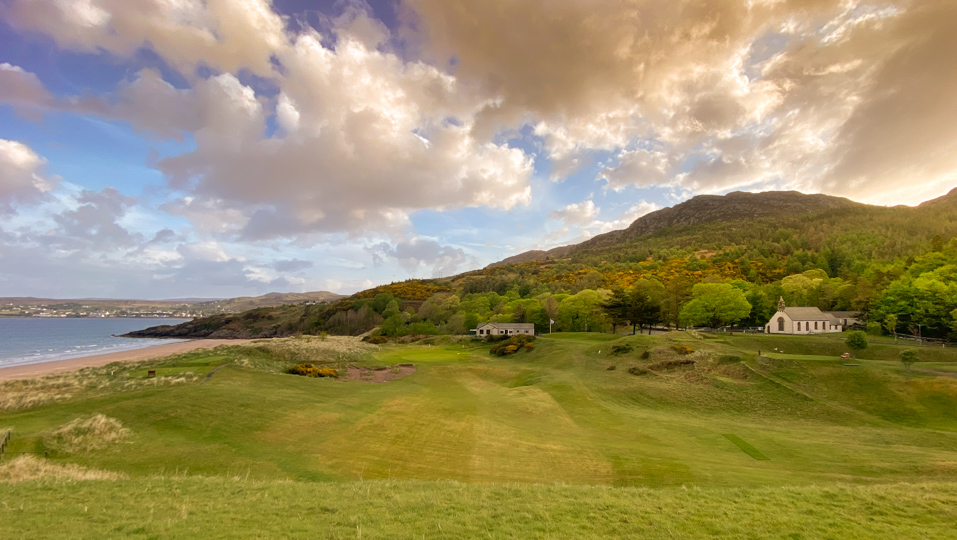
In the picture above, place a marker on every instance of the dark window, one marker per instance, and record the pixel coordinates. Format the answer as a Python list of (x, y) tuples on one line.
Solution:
[(815, 325), (780, 324)]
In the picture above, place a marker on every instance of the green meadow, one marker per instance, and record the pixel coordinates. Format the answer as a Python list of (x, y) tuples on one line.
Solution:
[(587, 435)]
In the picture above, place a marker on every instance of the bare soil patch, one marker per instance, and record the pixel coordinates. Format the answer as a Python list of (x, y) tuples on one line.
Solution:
[(381, 374)]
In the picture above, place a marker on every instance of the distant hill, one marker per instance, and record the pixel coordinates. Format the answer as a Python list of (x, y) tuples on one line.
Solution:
[(244, 303), (737, 207), (188, 307)]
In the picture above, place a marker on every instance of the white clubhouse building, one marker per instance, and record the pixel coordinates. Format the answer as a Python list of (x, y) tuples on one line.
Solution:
[(802, 320), (504, 329)]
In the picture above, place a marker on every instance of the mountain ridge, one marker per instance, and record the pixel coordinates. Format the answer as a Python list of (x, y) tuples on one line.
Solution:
[(700, 209)]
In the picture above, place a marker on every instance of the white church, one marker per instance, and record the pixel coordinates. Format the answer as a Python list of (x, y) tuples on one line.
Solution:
[(803, 320)]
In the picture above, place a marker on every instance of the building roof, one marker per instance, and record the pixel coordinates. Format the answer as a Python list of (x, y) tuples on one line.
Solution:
[(808, 314), (508, 326), (844, 314)]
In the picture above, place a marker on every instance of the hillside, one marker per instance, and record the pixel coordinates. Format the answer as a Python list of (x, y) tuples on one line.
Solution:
[(733, 207), (813, 250)]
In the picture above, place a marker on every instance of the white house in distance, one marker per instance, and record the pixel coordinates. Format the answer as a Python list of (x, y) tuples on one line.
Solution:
[(504, 329), (802, 320)]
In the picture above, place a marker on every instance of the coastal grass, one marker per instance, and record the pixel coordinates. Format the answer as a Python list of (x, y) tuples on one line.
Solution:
[(196, 507), (473, 440)]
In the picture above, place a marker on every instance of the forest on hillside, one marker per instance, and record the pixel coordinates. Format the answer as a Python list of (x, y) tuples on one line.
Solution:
[(896, 266), (915, 294)]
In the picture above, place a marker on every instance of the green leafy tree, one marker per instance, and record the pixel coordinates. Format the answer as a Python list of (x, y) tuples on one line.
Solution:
[(582, 312), (381, 301), (908, 357), (714, 305), (890, 324), (391, 309), (857, 341)]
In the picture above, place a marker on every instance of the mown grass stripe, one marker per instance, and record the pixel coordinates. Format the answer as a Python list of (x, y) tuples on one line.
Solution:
[(745, 447)]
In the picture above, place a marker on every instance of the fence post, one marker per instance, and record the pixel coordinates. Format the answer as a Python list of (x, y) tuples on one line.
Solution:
[(3, 441)]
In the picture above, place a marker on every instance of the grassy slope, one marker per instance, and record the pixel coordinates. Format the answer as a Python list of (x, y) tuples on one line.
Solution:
[(557, 414), (235, 508)]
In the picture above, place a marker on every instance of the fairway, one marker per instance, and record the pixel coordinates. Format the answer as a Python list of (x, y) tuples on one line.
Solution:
[(569, 412)]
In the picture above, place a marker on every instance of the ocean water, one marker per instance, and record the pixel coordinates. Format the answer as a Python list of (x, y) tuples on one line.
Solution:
[(33, 340)]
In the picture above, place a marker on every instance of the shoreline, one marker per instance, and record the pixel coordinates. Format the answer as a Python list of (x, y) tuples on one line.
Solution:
[(39, 369)]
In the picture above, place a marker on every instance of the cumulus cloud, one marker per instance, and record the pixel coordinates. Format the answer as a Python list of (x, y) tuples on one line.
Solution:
[(225, 34), (423, 254), (580, 214), (93, 223), (21, 175), (847, 97), (21, 88), (580, 221), (365, 139)]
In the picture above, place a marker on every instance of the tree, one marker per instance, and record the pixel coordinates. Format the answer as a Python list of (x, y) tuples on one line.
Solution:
[(616, 306), (638, 306), (581, 312), (857, 341), (890, 324), (714, 305), (678, 288), (908, 357), (646, 296)]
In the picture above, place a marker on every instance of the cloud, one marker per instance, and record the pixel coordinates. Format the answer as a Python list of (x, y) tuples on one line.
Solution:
[(21, 88), (365, 139), (580, 221), (851, 98), (224, 34), (423, 254), (21, 176), (580, 214), (93, 223), (292, 265)]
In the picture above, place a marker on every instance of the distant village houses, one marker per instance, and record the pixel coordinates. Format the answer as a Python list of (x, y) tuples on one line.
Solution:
[(503, 329), (808, 320)]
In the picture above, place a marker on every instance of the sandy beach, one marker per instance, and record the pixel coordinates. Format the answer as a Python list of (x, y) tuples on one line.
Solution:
[(25, 371)]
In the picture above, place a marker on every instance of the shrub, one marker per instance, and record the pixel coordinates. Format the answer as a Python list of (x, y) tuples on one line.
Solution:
[(637, 371), (612, 368), (624, 348), (857, 341), (529, 346), (645, 355), (309, 370), (513, 344), (671, 364), (376, 340), (682, 349), (86, 434)]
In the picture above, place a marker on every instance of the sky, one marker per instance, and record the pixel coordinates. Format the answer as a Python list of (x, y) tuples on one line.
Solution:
[(216, 148)]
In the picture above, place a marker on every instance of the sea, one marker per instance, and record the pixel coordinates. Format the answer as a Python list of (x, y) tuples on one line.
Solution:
[(41, 339)]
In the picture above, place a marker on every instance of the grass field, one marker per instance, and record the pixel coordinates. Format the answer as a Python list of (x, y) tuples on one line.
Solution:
[(539, 432)]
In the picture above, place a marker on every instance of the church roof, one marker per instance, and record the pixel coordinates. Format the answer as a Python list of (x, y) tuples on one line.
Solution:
[(807, 314), (845, 314)]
